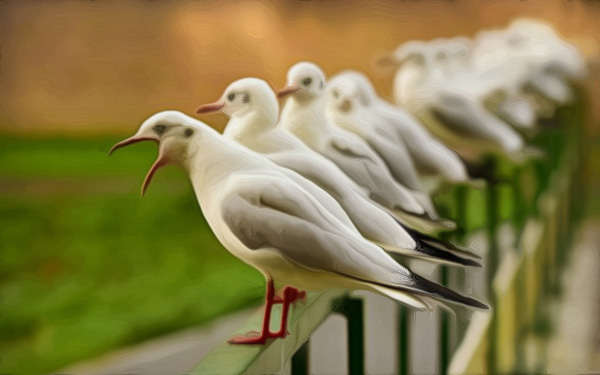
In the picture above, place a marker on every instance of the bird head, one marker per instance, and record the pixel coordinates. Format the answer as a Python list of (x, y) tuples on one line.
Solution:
[(246, 96), (418, 52), (173, 131), (349, 89), (306, 81)]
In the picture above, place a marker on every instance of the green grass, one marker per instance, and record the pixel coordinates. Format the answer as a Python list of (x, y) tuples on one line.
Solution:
[(86, 265)]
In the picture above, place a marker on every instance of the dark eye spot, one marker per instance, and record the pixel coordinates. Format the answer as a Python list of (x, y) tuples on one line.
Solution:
[(307, 81), (246, 98), (320, 84), (159, 129), (230, 97), (336, 94), (188, 132)]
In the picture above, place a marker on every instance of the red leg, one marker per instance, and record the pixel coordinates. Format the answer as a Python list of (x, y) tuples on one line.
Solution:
[(251, 337), (290, 295)]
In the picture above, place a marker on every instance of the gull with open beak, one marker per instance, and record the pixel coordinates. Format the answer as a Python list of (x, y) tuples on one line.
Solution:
[(266, 219), (303, 116), (253, 109)]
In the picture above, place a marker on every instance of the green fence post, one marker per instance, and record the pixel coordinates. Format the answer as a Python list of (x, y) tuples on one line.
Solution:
[(492, 264), (300, 363), (352, 309), (403, 345)]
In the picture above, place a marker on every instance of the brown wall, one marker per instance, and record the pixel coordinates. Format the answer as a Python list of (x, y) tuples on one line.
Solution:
[(89, 67)]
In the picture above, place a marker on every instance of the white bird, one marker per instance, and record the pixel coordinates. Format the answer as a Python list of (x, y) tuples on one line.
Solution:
[(269, 221), (352, 97), (454, 56), (530, 53), (253, 109), (304, 116), (452, 108)]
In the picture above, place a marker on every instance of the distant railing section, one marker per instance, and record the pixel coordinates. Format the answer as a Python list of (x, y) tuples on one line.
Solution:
[(541, 199)]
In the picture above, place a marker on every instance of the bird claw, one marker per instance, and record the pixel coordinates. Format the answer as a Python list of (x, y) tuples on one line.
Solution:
[(295, 295), (250, 338)]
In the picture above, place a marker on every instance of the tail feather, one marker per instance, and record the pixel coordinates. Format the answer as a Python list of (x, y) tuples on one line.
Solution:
[(432, 244), (423, 293), (429, 253), (445, 255), (407, 298), (423, 222), (436, 290)]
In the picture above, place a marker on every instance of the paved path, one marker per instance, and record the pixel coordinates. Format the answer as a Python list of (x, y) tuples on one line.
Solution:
[(575, 346), (174, 354)]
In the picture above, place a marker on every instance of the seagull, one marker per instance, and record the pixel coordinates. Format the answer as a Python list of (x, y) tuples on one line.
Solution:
[(304, 117), (352, 98), (452, 108), (535, 56), (348, 115), (269, 221), (253, 109)]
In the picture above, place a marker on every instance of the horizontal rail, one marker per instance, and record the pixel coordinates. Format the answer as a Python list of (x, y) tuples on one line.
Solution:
[(228, 359)]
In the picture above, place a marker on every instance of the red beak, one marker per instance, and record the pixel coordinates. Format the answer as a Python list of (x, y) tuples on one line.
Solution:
[(130, 141), (160, 161), (287, 91), (210, 108)]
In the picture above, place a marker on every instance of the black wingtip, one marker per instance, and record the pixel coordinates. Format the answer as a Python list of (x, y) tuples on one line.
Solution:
[(443, 254), (427, 240), (447, 294)]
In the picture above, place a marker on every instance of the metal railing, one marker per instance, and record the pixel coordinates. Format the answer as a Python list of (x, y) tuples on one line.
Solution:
[(542, 199)]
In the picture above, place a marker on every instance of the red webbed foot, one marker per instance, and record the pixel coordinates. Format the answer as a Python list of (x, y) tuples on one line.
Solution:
[(293, 295), (250, 338)]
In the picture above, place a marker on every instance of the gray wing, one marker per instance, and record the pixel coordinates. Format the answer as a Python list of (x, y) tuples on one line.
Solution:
[(469, 118), (275, 212)]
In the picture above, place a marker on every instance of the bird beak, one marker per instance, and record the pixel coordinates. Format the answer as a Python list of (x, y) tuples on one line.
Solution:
[(287, 91), (211, 107), (388, 61), (130, 141), (160, 161)]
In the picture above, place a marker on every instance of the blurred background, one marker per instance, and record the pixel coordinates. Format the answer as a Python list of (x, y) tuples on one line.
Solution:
[(86, 265)]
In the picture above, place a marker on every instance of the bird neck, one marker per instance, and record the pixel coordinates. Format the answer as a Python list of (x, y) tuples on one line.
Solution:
[(409, 77), (206, 156), (249, 125), (305, 119)]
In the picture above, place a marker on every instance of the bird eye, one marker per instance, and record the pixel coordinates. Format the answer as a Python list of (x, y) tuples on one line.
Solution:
[(336, 94), (246, 98), (307, 81), (159, 129), (188, 132), (230, 97)]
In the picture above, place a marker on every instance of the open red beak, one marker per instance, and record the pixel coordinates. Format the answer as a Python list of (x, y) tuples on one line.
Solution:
[(287, 91), (210, 108), (160, 161), (130, 141)]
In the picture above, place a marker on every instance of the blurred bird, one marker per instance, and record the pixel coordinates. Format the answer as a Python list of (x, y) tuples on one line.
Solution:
[(304, 116), (253, 109), (269, 221), (530, 54), (452, 107), (354, 104)]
